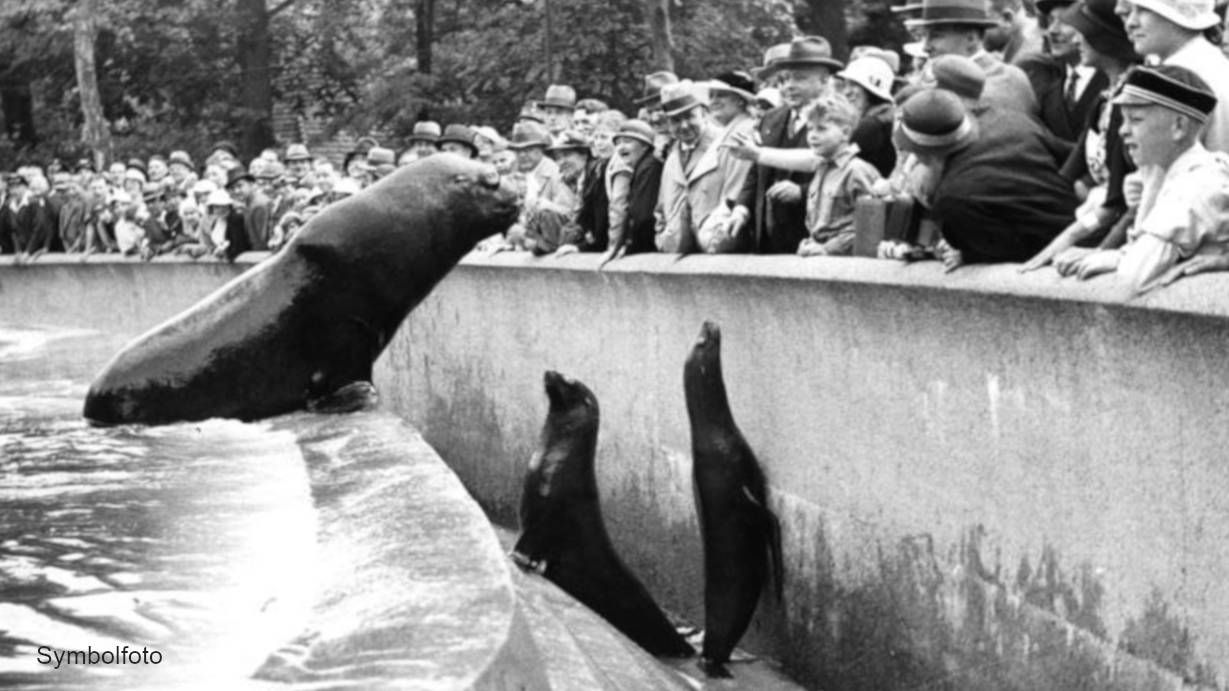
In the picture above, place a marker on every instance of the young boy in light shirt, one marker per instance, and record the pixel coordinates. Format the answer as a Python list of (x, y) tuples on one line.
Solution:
[(840, 180), (1183, 206)]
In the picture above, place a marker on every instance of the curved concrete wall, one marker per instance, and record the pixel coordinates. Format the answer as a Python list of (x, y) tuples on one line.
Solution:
[(986, 480)]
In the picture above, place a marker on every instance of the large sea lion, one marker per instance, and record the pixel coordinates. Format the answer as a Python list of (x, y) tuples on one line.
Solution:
[(310, 321), (742, 538), (562, 533)]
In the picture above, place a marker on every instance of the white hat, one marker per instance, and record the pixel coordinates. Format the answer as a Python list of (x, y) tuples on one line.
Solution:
[(219, 198), (872, 74), (1195, 15), (346, 186), (204, 187), (769, 97), (134, 174)]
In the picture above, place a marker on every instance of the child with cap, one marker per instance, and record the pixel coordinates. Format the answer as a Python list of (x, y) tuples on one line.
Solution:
[(840, 178), (1182, 210)]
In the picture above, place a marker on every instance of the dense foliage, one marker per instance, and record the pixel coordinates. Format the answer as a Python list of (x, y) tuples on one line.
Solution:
[(174, 73)]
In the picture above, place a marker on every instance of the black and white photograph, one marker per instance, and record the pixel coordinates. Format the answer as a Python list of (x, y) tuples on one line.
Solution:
[(621, 345)]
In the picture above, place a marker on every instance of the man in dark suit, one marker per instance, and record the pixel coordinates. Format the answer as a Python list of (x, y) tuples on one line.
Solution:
[(1065, 91), (772, 203)]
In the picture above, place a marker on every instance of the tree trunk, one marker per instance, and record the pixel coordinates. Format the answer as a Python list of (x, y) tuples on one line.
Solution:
[(658, 14), (94, 132), (17, 102), (825, 18), (424, 20), (255, 77)]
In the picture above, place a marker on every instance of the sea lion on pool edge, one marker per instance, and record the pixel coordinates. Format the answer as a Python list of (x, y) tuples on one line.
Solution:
[(562, 533), (311, 319), (742, 538)]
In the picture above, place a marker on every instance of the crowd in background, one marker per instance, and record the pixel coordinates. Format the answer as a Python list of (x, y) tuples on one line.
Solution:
[(1091, 135)]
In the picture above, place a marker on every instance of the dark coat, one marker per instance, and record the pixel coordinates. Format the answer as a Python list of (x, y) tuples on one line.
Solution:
[(1116, 159), (236, 235), (873, 135), (641, 228), (38, 226), (780, 231), (1002, 198), (8, 226), (1048, 75), (594, 214)]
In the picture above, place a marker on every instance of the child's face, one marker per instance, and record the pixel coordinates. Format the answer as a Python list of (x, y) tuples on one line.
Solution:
[(825, 137)]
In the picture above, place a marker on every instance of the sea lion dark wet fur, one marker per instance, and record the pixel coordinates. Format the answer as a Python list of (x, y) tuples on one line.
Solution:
[(562, 532), (742, 538), (311, 320)]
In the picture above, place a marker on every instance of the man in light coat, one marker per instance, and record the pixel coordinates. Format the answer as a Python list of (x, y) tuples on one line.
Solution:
[(691, 181)]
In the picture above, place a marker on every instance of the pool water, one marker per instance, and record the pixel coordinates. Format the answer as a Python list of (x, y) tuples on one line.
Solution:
[(191, 541)]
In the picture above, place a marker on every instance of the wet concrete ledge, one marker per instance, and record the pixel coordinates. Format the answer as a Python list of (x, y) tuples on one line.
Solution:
[(987, 480)]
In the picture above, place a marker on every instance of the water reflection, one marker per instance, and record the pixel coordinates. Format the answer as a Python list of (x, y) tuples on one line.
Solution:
[(194, 540)]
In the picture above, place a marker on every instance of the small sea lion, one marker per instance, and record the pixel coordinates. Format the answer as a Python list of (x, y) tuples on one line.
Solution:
[(297, 329), (562, 533), (742, 537)]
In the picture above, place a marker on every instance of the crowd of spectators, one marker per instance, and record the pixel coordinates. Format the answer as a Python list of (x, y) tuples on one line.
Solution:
[(1091, 135)]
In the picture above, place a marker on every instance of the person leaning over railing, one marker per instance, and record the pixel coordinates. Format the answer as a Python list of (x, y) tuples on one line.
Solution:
[(998, 196), (1183, 202)]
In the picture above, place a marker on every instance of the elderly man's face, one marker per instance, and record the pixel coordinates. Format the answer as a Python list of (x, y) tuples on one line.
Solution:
[(802, 85), (687, 126), (1150, 133), (299, 167), (529, 157), (557, 119), (946, 39), (571, 162)]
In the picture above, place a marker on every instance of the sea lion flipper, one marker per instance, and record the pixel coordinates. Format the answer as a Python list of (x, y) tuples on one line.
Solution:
[(772, 526)]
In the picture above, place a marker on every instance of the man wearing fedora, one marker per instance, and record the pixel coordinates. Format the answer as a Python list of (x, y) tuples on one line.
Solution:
[(771, 202), (1171, 32), (650, 110), (557, 108), (299, 164), (691, 184), (958, 27), (241, 186), (550, 220), (424, 138)]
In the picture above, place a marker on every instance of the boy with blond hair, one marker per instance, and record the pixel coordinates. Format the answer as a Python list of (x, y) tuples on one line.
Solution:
[(840, 178)]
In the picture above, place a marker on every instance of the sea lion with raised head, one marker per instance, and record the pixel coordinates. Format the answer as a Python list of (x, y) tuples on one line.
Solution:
[(562, 532), (303, 328), (742, 538)]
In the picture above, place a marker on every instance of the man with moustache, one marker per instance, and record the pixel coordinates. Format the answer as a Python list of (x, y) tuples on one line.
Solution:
[(690, 179), (771, 203)]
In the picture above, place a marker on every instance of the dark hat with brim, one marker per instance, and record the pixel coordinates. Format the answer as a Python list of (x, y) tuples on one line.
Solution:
[(1044, 6), (736, 82), (809, 51), (459, 134), (238, 174), (934, 121), (528, 134), (947, 12), (1168, 86), (1101, 28)]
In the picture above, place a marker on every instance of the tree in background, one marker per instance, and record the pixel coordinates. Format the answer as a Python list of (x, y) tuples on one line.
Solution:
[(184, 74)]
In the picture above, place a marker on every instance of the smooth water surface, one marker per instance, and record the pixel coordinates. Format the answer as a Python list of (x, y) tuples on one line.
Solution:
[(193, 540)]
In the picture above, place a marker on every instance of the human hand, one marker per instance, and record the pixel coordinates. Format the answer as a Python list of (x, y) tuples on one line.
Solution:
[(1066, 263), (565, 250), (1133, 189), (742, 146), (951, 257), (810, 248), (1199, 264), (1097, 263), (1081, 190), (785, 191), (733, 225)]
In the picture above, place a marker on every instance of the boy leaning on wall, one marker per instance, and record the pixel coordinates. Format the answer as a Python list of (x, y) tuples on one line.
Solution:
[(1183, 202), (841, 177)]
